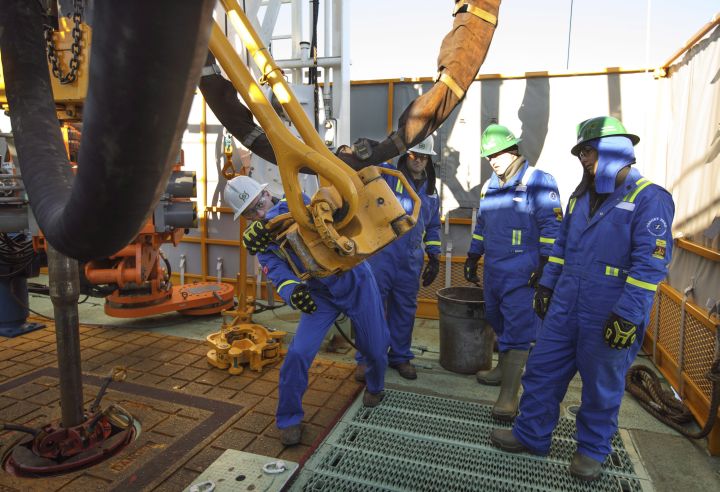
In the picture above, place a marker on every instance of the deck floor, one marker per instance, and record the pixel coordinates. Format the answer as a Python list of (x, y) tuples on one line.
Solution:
[(191, 412)]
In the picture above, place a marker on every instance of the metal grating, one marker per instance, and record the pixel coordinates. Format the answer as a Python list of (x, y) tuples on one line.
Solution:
[(415, 442), (669, 322), (699, 352), (699, 340)]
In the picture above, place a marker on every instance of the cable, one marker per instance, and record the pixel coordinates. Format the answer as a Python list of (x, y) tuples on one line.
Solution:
[(347, 339), (642, 383), (567, 60)]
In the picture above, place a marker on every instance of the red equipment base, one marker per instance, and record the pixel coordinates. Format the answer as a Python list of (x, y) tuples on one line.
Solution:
[(195, 299), (56, 451)]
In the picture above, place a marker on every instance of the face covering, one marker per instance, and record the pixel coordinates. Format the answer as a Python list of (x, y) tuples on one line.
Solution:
[(614, 153)]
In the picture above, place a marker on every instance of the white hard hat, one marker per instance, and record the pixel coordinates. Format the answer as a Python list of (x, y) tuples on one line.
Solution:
[(240, 192), (424, 147)]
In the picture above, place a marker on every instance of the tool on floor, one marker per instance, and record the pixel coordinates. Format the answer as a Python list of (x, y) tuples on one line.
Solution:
[(236, 345)]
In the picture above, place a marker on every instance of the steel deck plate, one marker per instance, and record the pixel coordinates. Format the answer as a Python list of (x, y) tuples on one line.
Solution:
[(415, 442), (237, 470)]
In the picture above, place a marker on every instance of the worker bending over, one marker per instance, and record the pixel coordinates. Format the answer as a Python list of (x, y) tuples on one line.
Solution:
[(354, 293), (595, 294), (517, 221), (397, 266)]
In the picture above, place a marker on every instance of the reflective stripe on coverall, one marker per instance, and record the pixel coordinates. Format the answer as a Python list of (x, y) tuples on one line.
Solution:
[(353, 293), (610, 262), (397, 268), (516, 224)]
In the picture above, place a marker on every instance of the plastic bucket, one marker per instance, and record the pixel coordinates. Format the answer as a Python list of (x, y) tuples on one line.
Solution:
[(466, 340)]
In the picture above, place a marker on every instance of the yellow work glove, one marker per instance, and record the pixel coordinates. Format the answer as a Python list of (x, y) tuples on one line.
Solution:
[(619, 333), (256, 238)]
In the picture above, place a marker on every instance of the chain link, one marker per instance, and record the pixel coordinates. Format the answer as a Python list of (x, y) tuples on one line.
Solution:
[(74, 64)]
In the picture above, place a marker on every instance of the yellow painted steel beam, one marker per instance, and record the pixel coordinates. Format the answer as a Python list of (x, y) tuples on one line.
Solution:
[(291, 154)]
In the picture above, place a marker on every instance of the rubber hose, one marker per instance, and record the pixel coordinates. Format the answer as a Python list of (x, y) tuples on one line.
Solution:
[(146, 59)]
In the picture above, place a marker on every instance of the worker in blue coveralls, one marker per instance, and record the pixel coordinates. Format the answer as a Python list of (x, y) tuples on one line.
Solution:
[(518, 220), (397, 267), (595, 295), (354, 293)]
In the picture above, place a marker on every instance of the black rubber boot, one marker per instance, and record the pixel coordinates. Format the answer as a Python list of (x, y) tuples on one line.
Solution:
[(291, 436), (506, 406), (504, 439), (405, 369), (360, 373), (493, 377), (585, 468), (372, 399)]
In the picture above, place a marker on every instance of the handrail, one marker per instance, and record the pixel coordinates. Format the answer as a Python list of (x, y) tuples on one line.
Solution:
[(698, 249), (691, 42)]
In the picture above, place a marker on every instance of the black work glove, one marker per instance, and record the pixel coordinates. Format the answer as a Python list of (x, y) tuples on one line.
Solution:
[(619, 333), (541, 300), (431, 270), (256, 238), (535, 276), (302, 300), (470, 269)]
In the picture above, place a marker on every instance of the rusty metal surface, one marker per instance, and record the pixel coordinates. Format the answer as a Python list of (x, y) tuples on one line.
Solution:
[(190, 412)]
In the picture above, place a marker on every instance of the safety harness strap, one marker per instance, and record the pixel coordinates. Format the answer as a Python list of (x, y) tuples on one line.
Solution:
[(461, 8), (250, 138), (446, 79), (398, 142)]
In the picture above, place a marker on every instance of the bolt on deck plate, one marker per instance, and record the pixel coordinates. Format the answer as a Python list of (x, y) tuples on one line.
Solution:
[(414, 442), (237, 470)]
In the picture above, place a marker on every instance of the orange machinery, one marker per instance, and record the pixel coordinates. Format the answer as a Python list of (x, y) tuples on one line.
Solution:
[(139, 273)]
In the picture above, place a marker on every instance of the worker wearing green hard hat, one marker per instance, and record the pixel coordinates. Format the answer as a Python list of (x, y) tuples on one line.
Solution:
[(496, 138), (595, 295), (518, 218), (598, 127)]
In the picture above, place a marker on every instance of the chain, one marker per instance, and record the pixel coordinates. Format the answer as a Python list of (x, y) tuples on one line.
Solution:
[(74, 64)]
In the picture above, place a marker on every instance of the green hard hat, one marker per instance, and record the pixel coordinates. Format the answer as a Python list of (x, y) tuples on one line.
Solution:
[(601, 126), (496, 138)]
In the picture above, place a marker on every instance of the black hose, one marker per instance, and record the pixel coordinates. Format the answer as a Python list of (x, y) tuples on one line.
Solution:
[(19, 428), (347, 339), (146, 59)]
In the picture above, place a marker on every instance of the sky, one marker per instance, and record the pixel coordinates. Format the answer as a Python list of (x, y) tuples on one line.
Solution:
[(401, 38)]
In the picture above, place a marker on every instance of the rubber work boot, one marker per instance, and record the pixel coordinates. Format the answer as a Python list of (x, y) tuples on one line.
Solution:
[(405, 369), (360, 373), (290, 436), (504, 439), (493, 377), (371, 400), (506, 406), (585, 468)]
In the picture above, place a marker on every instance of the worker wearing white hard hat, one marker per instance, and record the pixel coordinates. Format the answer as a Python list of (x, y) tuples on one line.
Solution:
[(353, 293), (398, 267)]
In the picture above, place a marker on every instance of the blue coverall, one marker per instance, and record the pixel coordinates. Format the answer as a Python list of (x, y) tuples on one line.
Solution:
[(516, 224), (608, 263), (397, 267), (354, 293)]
